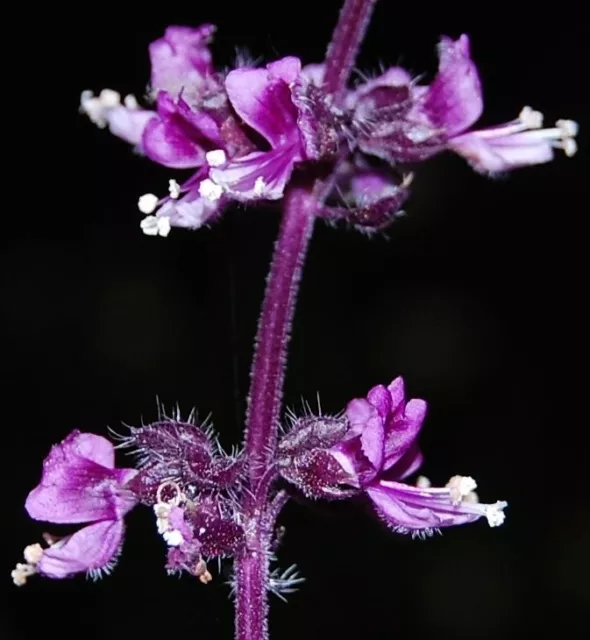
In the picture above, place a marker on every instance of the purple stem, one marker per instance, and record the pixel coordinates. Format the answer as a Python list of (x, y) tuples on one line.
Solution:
[(270, 355), (354, 19), (268, 366)]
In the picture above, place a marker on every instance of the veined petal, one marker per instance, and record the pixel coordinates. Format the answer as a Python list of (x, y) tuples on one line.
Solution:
[(94, 548), (402, 431), (178, 137), (454, 100), (262, 98), (74, 488), (380, 398), (258, 175), (503, 154), (413, 508), (182, 62)]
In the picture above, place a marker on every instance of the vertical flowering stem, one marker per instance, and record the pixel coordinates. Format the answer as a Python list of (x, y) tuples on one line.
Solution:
[(355, 16), (273, 331), (268, 366)]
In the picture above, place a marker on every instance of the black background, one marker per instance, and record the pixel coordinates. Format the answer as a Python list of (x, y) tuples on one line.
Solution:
[(477, 297)]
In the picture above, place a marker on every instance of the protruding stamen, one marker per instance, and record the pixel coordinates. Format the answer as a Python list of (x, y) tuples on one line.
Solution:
[(495, 513), (147, 203), (96, 107), (530, 118), (216, 158), (33, 553), (422, 482), (130, 102), (154, 226), (460, 486), (210, 190), (21, 573), (174, 189)]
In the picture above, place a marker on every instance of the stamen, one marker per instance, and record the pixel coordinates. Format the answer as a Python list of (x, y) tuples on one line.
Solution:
[(495, 513), (130, 102), (147, 203), (96, 107), (422, 482), (210, 190), (21, 573), (460, 486), (154, 226), (33, 553), (174, 189), (530, 118), (216, 158)]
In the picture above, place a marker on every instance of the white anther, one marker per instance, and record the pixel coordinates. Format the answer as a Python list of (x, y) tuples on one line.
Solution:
[(216, 158), (423, 482), (154, 226), (147, 203), (495, 513), (530, 118), (33, 553), (97, 107), (174, 189), (202, 531), (162, 509), (568, 128), (210, 190), (173, 538), (109, 98), (259, 186), (20, 574), (460, 486), (130, 102), (570, 147)]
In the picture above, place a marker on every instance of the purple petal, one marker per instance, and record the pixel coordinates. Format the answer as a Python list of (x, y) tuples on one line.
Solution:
[(365, 419), (402, 431), (75, 488), (397, 392), (258, 175), (181, 61), (413, 508), (129, 124), (380, 398), (454, 100), (502, 154), (262, 98), (93, 548), (407, 465), (358, 412), (177, 137)]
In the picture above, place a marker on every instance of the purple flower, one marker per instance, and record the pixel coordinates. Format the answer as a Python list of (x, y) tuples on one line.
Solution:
[(380, 449), (400, 121), (263, 98), (80, 484), (182, 64)]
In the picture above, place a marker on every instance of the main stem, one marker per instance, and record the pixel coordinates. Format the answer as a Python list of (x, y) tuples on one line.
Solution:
[(270, 354)]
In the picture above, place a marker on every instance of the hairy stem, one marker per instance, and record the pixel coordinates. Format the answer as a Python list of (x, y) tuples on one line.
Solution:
[(354, 19), (300, 207), (267, 373)]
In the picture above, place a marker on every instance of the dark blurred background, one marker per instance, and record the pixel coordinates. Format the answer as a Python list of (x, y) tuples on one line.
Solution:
[(477, 297)]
